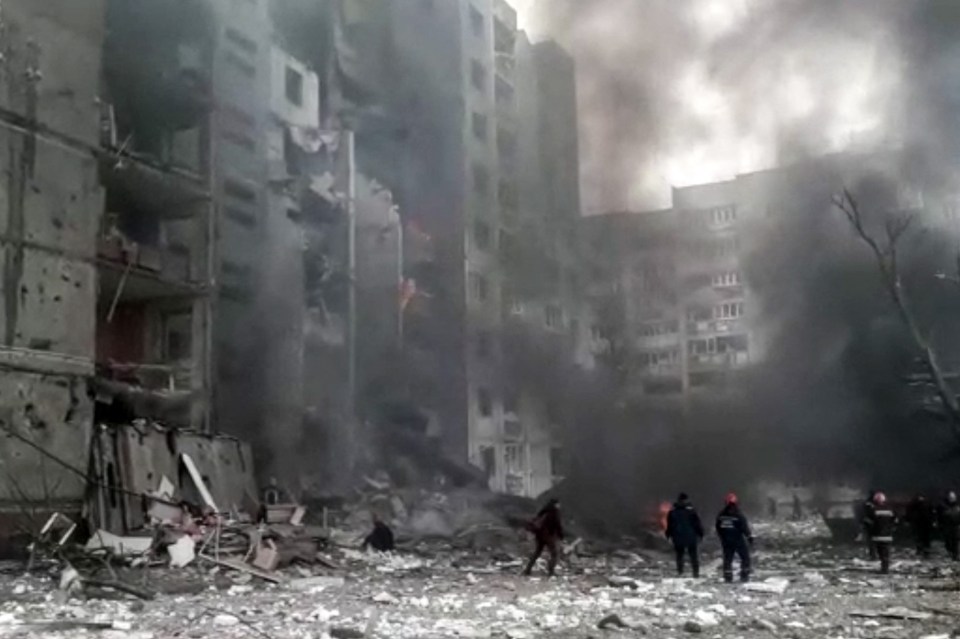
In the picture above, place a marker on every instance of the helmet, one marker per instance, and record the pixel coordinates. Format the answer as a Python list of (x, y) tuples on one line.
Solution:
[(879, 498), (731, 499)]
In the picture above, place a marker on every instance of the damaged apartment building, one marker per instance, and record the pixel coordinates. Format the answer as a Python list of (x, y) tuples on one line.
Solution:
[(109, 245), (672, 287), (474, 130), (218, 226)]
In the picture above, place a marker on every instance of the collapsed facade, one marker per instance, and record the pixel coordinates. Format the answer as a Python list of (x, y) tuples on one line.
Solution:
[(194, 243)]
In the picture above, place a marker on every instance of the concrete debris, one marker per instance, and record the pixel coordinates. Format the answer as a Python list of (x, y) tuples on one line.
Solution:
[(897, 612), (119, 546), (771, 586), (316, 584), (385, 598), (346, 633), (226, 621), (764, 624), (612, 621), (182, 552)]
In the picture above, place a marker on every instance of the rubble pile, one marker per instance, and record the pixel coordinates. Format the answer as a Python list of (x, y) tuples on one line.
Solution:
[(804, 589)]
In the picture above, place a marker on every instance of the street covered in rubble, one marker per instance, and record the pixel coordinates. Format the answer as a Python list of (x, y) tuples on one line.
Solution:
[(805, 586)]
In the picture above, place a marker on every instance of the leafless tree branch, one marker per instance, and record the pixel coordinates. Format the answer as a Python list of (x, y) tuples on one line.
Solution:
[(886, 256)]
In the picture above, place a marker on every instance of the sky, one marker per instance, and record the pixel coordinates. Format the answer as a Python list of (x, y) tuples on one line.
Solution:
[(680, 92)]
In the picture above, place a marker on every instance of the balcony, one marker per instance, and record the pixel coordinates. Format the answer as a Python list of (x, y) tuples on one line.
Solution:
[(506, 66), (730, 360)]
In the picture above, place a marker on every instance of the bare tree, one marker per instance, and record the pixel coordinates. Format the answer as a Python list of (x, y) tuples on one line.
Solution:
[(886, 252)]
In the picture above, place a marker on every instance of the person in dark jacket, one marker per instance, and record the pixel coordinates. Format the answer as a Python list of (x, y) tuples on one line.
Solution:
[(380, 538), (922, 518), (866, 511), (547, 529), (735, 539), (881, 523), (686, 532), (948, 519)]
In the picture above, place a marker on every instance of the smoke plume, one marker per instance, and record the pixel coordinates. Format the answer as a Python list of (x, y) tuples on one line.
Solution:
[(674, 93)]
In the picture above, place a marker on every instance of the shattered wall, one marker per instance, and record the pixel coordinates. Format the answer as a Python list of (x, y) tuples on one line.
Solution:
[(50, 206)]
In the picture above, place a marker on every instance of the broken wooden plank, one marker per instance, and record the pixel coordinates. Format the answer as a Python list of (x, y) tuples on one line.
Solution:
[(234, 564), (198, 482)]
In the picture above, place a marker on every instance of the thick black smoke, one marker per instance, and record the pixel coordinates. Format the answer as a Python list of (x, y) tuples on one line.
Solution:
[(699, 91)]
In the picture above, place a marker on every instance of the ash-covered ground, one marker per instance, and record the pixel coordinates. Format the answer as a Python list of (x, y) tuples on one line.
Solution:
[(804, 587)]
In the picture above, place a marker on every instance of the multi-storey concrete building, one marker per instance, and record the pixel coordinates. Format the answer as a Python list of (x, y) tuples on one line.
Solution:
[(108, 231), (673, 285)]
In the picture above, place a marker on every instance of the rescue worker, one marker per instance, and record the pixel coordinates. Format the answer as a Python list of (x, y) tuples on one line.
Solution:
[(380, 538), (949, 521), (735, 539), (686, 532), (881, 522), (866, 515), (797, 508), (921, 517), (548, 532)]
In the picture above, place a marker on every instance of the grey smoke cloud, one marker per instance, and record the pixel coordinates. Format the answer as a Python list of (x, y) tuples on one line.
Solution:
[(675, 92)]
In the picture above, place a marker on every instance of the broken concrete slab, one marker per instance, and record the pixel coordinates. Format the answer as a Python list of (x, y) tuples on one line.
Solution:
[(316, 584), (770, 586), (120, 546), (267, 556)]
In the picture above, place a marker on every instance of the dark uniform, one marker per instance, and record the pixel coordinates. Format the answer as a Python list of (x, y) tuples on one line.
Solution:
[(686, 532), (921, 517), (380, 539), (867, 509), (949, 520), (881, 523), (548, 531), (735, 539)]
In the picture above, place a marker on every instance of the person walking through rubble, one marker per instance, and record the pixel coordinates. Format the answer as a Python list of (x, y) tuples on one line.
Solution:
[(736, 539), (547, 530), (686, 532), (948, 518), (881, 522), (922, 518), (866, 511)]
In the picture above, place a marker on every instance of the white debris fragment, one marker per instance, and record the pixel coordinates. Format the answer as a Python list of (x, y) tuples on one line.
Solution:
[(706, 619), (226, 620), (385, 598), (771, 586), (182, 552)]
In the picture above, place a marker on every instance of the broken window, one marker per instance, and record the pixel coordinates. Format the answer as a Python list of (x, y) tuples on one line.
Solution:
[(513, 458), (177, 336), (488, 456), (729, 310), (484, 403), (726, 278), (511, 402), (479, 287), (477, 22), (482, 235), (478, 75), (481, 180), (480, 126), (294, 87)]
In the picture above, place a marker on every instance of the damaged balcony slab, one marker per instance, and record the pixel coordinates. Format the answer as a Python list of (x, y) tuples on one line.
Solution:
[(136, 283), (167, 192)]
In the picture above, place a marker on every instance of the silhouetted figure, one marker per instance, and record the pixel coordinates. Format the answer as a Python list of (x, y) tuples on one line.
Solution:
[(797, 507), (922, 518), (772, 507), (381, 538), (949, 521), (881, 523), (735, 539), (547, 529), (866, 511), (686, 532)]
